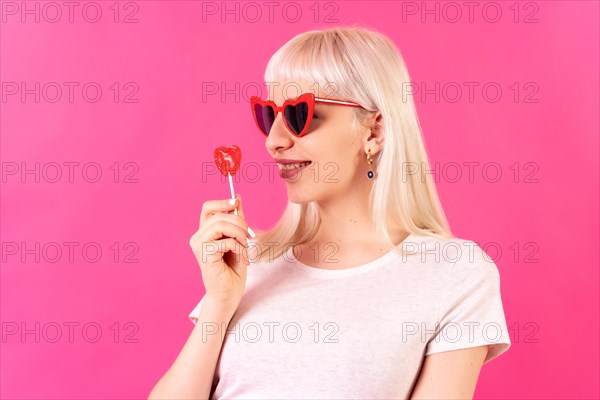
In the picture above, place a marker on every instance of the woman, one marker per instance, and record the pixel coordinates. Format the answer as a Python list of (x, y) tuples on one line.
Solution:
[(360, 290)]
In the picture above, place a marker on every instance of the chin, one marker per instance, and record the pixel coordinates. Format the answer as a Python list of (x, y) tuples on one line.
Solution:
[(299, 199), (299, 196)]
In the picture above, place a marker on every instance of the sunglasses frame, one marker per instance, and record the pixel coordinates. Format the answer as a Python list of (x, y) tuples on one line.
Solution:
[(308, 98)]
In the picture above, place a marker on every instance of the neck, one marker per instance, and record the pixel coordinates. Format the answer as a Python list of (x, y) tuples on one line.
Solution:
[(346, 219)]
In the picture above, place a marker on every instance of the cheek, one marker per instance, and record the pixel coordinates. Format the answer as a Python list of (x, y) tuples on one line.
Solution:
[(335, 147), (334, 168), (337, 135)]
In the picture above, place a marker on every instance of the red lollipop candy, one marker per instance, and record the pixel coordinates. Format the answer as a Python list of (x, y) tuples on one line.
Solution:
[(228, 159)]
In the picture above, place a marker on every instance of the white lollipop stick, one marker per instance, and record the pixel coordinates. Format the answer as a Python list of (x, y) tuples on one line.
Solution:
[(232, 192)]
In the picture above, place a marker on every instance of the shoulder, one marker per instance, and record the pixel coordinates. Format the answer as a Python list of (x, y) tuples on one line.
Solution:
[(471, 276), (471, 261), (470, 302), (453, 250), (457, 259), (458, 251)]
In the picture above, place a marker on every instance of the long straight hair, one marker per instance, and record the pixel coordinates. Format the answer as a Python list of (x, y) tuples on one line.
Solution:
[(363, 66)]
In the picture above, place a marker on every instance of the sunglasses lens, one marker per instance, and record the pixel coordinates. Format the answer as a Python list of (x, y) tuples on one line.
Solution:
[(265, 117), (296, 116)]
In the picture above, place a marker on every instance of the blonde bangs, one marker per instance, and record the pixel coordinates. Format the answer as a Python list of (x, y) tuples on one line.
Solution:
[(311, 58)]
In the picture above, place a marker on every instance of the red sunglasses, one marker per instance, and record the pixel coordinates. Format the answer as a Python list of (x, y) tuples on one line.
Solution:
[(297, 113)]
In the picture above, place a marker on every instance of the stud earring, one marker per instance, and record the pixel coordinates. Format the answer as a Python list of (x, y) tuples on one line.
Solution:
[(370, 173)]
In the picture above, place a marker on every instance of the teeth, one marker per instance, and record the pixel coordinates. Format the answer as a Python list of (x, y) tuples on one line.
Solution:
[(293, 166)]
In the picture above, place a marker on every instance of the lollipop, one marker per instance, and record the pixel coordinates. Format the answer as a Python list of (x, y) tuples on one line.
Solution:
[(228, 160)]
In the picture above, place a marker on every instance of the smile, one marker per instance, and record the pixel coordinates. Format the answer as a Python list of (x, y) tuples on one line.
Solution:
[(288, 171), (293, 166)]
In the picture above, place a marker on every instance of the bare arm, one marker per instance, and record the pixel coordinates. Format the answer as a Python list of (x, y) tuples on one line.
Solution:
[(219, 246), (191, 374), (450, 374)]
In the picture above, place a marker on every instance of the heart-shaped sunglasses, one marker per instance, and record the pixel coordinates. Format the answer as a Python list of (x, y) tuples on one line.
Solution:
[(297, 113)]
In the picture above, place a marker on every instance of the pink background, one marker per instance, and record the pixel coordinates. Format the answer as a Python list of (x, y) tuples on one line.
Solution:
[(548, 213)]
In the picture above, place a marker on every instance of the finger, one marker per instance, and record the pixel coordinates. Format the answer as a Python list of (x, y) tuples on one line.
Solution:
[(243, 216), (217, 229), (215, 250), (232, 218), (241, 255), (209, 207), (227, 244)]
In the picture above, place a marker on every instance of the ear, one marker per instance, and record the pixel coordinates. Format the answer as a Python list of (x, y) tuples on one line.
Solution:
[(373, 138)]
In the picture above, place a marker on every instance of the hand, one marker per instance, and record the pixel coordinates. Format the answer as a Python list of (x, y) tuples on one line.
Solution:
[(221, 250)]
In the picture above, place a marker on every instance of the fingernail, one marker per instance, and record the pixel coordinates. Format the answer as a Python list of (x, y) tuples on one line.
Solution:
[(232, 202), (251, 232)]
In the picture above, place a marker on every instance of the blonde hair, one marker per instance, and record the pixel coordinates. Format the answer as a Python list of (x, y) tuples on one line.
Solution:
[(368, 69)]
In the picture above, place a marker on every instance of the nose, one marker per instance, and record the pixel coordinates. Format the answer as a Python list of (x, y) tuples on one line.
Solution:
[(279, 137)]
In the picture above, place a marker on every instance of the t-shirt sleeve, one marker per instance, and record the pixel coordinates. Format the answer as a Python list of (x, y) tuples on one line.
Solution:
[(196, 312), (471, 312)]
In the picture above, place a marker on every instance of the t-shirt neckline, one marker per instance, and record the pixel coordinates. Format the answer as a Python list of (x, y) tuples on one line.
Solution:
[(334, 273)]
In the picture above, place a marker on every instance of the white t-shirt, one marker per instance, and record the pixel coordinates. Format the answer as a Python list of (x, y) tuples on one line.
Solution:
[(302, 332)]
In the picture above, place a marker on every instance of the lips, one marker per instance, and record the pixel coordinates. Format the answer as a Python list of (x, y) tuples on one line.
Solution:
[(290, 170)]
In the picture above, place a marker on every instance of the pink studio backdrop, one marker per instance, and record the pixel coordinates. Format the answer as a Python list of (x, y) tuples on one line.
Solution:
[(157, 85)]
